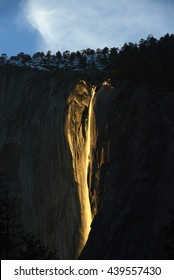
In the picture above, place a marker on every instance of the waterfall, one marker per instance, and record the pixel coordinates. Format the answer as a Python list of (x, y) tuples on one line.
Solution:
[(88, 140), (79, 145), (85, 202)]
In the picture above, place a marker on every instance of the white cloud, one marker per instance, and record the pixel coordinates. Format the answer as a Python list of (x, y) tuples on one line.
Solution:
[(76, 24)]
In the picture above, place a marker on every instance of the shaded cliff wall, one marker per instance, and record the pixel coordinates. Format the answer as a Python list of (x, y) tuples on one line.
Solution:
[(133, 159), (36, 157), (99, 146)]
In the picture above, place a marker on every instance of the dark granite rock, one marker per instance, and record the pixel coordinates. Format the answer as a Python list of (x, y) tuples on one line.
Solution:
[(135, 181)]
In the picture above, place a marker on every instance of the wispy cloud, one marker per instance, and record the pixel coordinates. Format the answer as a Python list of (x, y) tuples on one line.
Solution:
[(76, 24)]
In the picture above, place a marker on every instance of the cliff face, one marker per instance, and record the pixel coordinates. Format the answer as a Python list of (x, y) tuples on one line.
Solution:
[(134, 161), (38, 160), (74, 153)]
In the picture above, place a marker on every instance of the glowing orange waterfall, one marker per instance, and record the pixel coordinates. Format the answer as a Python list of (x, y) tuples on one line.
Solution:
[(88, 141), (79, 145), (85, 203)]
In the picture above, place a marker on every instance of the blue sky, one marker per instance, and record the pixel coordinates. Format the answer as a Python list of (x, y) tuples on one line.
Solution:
[(42, 25)]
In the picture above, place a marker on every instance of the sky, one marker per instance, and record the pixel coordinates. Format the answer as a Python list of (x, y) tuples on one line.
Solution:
[(41, 25)]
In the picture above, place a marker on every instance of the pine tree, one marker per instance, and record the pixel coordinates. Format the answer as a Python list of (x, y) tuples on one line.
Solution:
[(15, 243), (9, 230), (32, 249)]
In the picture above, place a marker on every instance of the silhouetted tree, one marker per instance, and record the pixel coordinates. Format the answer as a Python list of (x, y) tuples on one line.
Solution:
[(14, 242), (32, 249), (59, 56), (113, 57), (151, 61), (39, 55), (48, 56), (9, 230), (66, 55), (23, 58), (72, 56)]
